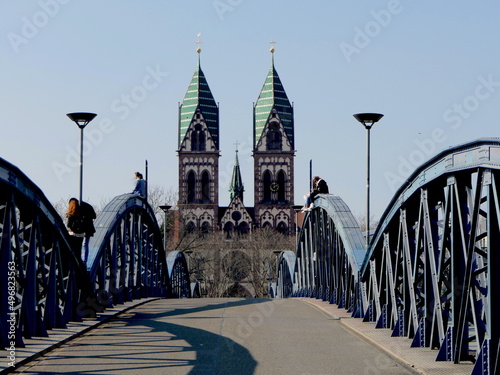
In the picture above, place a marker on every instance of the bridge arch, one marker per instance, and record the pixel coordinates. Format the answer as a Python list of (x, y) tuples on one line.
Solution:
[(126, 258), (45, 281), (330, 252), (179, 275), (286, 276), (432, 270)]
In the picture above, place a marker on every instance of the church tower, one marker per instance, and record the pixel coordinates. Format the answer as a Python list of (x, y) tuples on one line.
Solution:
[(199, 155), (273, 154)]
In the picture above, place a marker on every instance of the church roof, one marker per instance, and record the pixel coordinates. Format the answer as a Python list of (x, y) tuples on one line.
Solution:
[(199, 96), (273, 96), (236, 187)]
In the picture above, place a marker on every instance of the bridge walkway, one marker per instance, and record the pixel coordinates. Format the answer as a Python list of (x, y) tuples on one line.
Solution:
[(219, 336)]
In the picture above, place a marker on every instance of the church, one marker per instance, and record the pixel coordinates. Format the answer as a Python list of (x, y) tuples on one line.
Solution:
[(199, 151)]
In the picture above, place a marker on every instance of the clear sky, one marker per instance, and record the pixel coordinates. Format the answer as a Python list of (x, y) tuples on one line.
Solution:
[(432, 68)]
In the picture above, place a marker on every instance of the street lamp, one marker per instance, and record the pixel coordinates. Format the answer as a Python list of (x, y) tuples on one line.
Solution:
[(165, 209), (81, 119), (368, 120)]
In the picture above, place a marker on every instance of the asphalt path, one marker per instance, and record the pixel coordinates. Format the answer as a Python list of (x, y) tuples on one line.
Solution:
[(218, 336)]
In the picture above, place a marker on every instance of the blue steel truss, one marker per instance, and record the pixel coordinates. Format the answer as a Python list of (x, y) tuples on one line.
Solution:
[(431, 271), (126, 257), (330, 252), (179, 275), (44, 282), (285, 285)]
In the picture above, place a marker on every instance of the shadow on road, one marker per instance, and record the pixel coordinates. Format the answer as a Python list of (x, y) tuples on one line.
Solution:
[(146, 341)]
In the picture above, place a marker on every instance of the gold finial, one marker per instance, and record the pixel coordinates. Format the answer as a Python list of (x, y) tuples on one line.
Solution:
[(272, 43), (199, 42)]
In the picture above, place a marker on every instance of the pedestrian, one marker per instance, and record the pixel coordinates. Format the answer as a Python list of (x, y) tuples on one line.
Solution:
[(75, 225), (319, 186), (140, 185), (88, 215)]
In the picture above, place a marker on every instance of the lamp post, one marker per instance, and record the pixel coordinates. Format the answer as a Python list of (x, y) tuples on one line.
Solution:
[(368, 120), (297, 209), (165, 209), (81, 119), (188, 253)]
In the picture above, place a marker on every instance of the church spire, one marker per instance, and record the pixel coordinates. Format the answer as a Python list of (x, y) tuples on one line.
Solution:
[(236, 188), (273, 97), (199, 97)]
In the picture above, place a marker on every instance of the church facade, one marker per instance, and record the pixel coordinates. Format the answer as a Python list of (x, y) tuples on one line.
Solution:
[(199, 152)]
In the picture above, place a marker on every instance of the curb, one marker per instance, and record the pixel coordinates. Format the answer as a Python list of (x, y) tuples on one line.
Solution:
[(344, 321)]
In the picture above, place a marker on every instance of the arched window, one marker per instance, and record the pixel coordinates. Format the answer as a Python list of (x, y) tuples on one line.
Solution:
[(267, 224), (282, 227), (266, 179), (281, 186), (228, 228), (205, 187), (198, 139), (191, 187), (205, 227), (243, 227), (190, 227), (273, 137)]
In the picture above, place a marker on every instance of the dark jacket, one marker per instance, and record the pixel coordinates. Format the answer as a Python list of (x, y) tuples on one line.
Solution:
[(88, 214), (321, 188)]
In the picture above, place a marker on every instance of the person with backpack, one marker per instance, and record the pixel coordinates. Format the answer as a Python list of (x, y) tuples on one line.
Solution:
[(75, 225)]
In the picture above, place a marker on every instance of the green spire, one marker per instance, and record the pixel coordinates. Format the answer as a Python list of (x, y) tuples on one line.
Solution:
[(273, 96), (199, 96), (236, 188)]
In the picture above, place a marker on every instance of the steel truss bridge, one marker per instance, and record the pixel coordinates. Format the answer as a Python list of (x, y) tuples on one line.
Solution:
[(428, 274), (45, 284), (432, 269)]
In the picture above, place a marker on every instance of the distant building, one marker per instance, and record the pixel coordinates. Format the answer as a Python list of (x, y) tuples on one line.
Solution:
[(199, 153)]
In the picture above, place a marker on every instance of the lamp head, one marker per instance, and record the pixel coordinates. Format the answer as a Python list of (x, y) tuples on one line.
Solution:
[(81, 118), (165, 207), (368, 119)]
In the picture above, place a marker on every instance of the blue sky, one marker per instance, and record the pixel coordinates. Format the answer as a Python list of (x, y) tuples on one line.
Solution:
[(432, 68)]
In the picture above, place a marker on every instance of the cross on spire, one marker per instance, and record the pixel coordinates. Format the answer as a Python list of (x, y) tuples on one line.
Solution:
[(272, 43), (199, 43)]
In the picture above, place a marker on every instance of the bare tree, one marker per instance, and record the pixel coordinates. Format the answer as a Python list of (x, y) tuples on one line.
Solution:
[(239, 266), (361, 219)]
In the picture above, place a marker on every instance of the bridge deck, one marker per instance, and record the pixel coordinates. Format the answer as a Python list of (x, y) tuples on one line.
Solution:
[(219, 336)]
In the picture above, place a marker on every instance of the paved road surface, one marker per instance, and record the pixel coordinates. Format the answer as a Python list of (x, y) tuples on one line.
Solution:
[(218, 336)]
